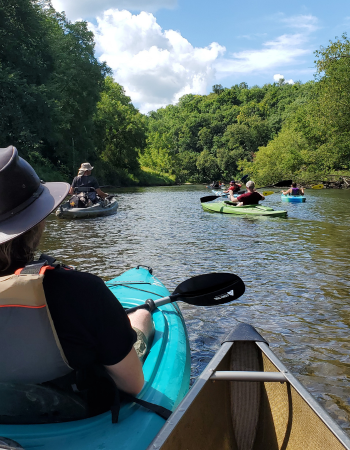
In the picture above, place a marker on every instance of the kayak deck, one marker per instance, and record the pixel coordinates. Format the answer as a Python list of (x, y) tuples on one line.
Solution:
[(256, 210), (166, 371), (247, 399)]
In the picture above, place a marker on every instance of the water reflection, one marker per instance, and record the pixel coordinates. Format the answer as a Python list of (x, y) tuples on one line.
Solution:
[(296, 272)]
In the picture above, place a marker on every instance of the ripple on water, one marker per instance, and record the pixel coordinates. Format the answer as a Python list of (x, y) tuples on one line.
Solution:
[(296, 272)]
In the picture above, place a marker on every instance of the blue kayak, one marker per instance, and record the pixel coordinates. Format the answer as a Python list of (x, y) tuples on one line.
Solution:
[(167, 374), (219, 193), (293, 198)]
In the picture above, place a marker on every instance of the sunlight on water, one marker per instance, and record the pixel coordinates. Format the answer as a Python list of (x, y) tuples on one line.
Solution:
[(296, 272)]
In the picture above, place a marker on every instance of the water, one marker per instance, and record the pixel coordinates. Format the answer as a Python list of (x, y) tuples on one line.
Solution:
[(296, 272)]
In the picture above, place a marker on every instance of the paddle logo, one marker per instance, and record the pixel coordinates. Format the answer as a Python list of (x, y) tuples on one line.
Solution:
[(227, 294)]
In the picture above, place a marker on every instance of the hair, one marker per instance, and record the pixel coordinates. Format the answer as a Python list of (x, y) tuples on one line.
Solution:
[(294, 185), (250, 185), (22, 248)]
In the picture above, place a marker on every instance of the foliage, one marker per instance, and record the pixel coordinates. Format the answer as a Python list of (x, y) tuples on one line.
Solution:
[(120, 128)]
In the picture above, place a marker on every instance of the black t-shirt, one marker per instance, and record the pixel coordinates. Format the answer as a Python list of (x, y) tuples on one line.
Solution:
[(91, 324), (85, 181)]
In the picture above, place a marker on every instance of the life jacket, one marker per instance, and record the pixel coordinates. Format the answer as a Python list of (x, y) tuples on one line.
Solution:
[(33, 353), (295, 191)]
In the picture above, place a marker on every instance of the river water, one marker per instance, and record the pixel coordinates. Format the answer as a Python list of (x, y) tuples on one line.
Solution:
[(296, 271)]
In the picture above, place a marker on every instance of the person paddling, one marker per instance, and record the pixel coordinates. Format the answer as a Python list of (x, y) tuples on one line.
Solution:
[(294, 190), (252, 197), (58, 323), (234, 187), (85, 179)]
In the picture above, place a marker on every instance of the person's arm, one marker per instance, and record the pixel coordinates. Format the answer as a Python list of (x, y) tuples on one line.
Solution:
[(262, 197), (287, 192), (101, 193), (128, 374), (71, 190), (301, 190)]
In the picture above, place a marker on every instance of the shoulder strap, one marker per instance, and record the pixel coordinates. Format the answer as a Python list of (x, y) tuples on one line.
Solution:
[(35, 267)]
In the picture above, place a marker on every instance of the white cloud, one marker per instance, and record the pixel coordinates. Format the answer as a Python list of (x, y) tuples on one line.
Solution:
[(76, 9), (307, 23), (155, 67), (284, 50), (277, 77)]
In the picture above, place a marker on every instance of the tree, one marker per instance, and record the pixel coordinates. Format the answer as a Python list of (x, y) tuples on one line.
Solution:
[(120, 128)]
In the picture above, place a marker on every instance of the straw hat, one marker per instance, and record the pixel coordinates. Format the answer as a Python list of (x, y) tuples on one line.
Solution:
[(27, 200)]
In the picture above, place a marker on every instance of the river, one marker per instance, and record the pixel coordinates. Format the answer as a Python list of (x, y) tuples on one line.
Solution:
[(296, 271)]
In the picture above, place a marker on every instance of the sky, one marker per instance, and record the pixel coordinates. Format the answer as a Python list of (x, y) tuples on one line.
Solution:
[(160, 50)]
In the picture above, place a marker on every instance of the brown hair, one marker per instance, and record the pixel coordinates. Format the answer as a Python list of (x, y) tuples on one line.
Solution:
[(22, 248)]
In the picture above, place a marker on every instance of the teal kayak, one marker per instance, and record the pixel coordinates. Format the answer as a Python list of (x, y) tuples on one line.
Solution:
[(251, 210), (293, 198), (167, 375)]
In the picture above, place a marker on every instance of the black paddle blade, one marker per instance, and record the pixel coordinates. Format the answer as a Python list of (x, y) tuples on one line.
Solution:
[(283, 183), (210, 289), (243, 179), (208, 198)]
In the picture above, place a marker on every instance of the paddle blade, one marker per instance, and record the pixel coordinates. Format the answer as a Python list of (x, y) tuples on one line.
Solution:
[(283, 183), (265, 193), (244, 179), (210, 289), (208, 198), (318, 186)]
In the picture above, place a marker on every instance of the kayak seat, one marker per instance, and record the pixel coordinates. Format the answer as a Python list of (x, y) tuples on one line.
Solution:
[(33, 404)]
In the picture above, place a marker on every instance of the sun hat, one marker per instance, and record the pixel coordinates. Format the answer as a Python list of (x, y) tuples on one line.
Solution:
[(85, 166), (250, 184), (27, 200)]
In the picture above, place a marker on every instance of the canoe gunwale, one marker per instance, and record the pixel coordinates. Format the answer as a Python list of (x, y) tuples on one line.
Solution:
[(307, 397), (169, 435)]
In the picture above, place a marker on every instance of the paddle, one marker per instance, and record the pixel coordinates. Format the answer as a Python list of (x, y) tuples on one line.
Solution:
[(210, 289), (279, 184), (208, 198)]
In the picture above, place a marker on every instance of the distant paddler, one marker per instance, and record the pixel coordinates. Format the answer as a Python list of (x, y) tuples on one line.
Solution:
[(252, 197), (84, 179), (294, 190), (234, 187)]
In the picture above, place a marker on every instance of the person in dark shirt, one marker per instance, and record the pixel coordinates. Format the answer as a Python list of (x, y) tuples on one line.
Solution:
[(57, 320), (85, 179), (252, 197)]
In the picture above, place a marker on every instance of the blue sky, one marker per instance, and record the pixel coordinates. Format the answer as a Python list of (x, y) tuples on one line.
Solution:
[(160, 50)]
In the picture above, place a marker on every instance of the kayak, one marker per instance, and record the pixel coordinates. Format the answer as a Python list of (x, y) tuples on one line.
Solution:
[(65, 211), (167, 374), (251, 210), (293, 198), (219, 193), (247, 399)]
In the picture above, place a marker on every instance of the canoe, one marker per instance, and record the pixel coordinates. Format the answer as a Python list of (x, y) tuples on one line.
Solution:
[(246, 399), (66, 212), (167, 374), (251, 210), (293, 198)]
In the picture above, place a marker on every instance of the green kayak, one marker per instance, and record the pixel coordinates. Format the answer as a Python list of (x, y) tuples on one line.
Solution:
[(251, 210)]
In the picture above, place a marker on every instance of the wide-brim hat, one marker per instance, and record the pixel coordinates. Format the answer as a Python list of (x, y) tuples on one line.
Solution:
[(85, 166), (25, 200)]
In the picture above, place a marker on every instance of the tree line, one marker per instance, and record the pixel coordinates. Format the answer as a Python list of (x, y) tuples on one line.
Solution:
[(60, 106)]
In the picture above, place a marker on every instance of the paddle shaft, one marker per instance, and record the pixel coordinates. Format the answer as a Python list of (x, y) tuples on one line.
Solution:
[(152, 304)]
